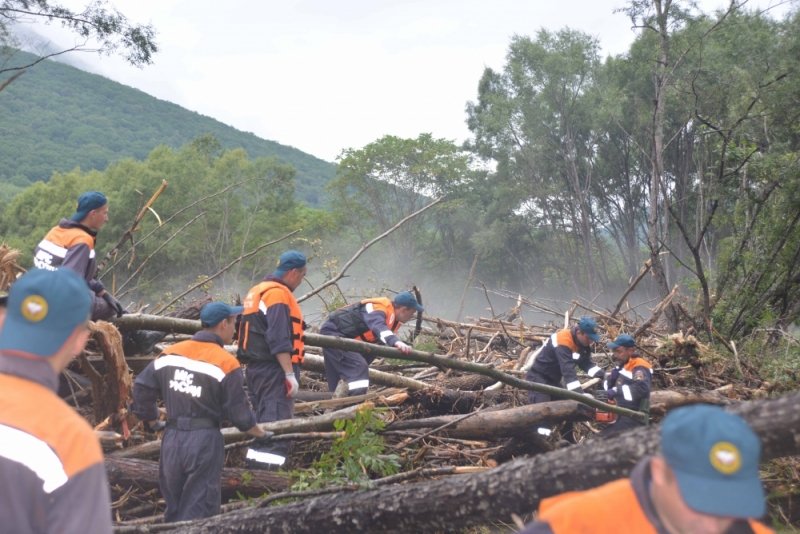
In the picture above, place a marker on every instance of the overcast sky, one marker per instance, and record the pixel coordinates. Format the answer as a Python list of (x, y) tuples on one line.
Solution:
[(326, 75)]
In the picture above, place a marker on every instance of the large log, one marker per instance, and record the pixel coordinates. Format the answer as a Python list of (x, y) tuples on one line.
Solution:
[(519, 420), (461, 501), (317, 423), (144, 474)]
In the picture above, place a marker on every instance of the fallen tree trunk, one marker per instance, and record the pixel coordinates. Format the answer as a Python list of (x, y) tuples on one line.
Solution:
[(144, 474), (317, 423), (493, 424), (476, 499), (154, 322)]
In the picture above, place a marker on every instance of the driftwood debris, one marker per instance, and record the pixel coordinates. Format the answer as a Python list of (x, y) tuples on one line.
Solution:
[(143, 474), (513, 488)]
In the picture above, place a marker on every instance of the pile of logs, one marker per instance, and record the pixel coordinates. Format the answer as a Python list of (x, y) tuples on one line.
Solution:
[(455, 414)]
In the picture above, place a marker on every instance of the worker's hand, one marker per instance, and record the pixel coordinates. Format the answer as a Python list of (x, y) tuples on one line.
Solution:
[(114, 303), (292, 386), (611, 394), (402, 347)]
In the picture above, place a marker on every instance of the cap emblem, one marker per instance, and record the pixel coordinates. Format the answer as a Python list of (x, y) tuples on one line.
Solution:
[(34, 308), (725, 457)]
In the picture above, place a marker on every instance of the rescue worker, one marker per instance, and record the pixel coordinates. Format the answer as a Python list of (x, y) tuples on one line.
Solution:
[(71, 244), (52, 477), (628, 384), (563, 353), (705, 480), (372, 320), (202, 385), (271, 345)]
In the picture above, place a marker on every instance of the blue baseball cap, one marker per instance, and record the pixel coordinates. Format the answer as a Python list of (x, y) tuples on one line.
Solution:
[(44, 308), (714, 455), (623, 340), (407, 299), (214, 312), (588, 326), (88, 201), (291, 259)]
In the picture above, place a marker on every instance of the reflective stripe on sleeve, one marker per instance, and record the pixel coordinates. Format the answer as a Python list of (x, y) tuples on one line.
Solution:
[(265, 457), (52, 248), (35, 454), (358, 384), (542, 431), (576, 356), (572, 386), (593, 371), (626, 392), (627, 374), (385, 335)]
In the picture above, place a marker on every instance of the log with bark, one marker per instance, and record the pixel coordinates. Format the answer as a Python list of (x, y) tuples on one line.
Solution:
[(143, 474), (492, 496)]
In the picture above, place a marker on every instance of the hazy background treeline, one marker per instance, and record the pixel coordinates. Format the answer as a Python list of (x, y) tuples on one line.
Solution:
[(683, 153)]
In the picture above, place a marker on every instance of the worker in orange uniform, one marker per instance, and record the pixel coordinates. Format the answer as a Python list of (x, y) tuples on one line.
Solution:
[(201, 385), (52, 476), (704, 481), (628, 384), (271, 346), (373, 320)]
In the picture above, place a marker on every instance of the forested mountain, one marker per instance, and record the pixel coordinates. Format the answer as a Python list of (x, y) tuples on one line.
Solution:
[(56, 117)]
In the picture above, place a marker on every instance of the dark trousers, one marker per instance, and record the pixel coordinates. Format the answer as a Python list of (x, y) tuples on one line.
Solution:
[(267, 388), (536, 397), (351, 367), (189, 473)]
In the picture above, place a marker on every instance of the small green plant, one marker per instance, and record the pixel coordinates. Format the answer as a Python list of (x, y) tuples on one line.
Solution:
[(352, 458)]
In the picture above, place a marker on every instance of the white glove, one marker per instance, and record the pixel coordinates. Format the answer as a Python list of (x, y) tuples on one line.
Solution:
[(292, 387), (402, 347)]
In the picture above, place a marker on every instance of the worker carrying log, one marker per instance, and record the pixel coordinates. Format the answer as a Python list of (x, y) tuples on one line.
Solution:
[(202, 385), (563, 353), (628, 383), (271, 345), (705, 479), (52, 477), (70, 244), (373, 320)]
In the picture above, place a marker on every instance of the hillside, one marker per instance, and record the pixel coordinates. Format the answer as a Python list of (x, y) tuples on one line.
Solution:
[(56, 117)]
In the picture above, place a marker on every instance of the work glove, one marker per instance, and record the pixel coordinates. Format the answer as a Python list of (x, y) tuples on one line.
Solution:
[(292, 386), (402, 347), (114, 303), (611, 394)]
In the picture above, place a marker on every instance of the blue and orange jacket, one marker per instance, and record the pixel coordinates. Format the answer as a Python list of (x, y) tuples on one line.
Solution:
[(633, 385), (623, 505), (560, 357), (52, 477), (370, 320), (70, 245), (272, 323), (197, 379)]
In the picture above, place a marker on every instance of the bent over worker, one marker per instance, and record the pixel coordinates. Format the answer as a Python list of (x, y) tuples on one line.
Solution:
[(52, 477), (563, 353), (704, 480), (202, 385), (372, 320), (628, 384), (271, 344)]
